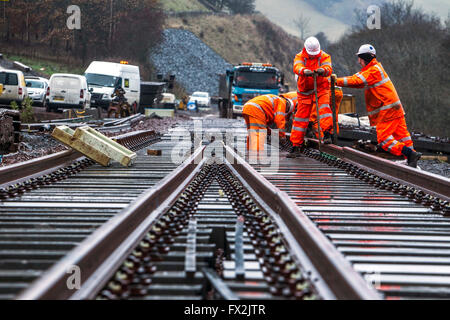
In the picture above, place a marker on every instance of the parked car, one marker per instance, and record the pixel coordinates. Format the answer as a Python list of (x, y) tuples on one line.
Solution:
[(168, 100), (104, 77), (203, 99), (14, 87), (67, 91), (37, 89)]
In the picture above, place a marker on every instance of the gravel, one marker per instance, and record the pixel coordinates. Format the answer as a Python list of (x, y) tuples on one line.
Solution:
[(195, 65), (436, 167), (42, 144)]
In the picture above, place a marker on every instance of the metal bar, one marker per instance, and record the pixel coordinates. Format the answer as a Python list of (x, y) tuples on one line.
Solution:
[(17, 172), (334, 269), (317, 110), (102, 253), (219, 285), (190, 261), (333, 110), (239, 249)]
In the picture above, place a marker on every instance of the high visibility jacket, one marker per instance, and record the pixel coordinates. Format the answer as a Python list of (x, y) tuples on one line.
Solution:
[(302, 61), (382, 101), (268, 108), (293, 96)]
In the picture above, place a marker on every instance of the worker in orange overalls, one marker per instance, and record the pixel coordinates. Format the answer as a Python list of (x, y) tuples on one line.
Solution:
[(313, 119), (262, 111), (311, 59), (383, 105)]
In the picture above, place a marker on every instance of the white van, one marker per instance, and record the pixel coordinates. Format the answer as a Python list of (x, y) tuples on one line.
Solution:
[(67, 91), (103, 77), (14, 86)]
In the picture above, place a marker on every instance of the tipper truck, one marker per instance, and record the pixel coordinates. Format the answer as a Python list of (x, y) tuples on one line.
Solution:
[(244, 82)]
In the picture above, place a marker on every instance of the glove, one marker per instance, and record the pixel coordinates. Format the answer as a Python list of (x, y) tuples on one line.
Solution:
[(307, 72), (320, 71), (334, 77)]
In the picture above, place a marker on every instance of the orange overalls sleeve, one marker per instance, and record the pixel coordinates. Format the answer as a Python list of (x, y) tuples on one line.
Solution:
[(358, 80), (327, 66), (280, 117), (299, 65)]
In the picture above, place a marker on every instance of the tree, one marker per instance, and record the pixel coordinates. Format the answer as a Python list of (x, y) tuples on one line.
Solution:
[(323, 40), (302, 23), (414, 49), (241, 6)]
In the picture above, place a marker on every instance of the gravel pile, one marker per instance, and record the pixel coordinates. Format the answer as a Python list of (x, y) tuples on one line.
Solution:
[(436, 167), (195, 65)]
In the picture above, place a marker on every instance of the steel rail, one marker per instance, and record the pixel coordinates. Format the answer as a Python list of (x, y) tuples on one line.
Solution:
[(428, 182), (33, 168), (20, 171), (100, 254), (337, 273)]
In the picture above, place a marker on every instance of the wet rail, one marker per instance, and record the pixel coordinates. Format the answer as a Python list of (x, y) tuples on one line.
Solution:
[(394, 234), (45, 216), (332, 225)]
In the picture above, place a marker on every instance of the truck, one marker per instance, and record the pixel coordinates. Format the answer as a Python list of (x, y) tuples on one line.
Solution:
[(245, 81)]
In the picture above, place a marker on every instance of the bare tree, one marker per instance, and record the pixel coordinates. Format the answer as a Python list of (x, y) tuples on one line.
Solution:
[(302, 23)]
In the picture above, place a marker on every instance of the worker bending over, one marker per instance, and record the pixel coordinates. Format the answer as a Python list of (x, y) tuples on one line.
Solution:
[(383, 105), (262, 111), (309, 61)]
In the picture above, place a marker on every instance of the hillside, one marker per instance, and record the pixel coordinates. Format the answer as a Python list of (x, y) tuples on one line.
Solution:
[(242, 38), (333, 17), (182, 5)]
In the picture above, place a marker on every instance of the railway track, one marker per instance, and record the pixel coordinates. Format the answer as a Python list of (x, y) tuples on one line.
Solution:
[(44, 217), (395, 235), (216, 228)]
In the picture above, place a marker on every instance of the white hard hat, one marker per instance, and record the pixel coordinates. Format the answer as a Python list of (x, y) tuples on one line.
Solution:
[(312, 46), (367, 48)]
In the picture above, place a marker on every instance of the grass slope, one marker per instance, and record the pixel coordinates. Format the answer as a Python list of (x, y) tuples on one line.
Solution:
[(45, 67), (182, 5), (242, 38)]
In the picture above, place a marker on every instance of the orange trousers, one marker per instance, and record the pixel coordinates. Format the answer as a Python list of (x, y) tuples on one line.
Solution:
[(338, 99), (303, 114), (257, 133), (394, 135)]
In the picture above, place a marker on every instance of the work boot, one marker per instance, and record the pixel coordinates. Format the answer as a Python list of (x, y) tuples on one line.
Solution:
[(296, 151), (327, 138), (412, 156)]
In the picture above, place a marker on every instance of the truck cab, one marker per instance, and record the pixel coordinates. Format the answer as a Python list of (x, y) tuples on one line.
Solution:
[(249, 80)]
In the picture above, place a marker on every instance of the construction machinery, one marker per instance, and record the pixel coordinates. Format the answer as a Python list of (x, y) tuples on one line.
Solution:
[(244, 82)]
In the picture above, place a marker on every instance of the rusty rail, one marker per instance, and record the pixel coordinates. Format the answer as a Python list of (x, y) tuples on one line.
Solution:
[(101, 254), (433, 184), (334, 272)]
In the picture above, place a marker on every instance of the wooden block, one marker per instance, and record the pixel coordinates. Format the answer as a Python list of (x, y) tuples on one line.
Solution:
[(152, 152), (66, 136), (435, 157), (105, 145)]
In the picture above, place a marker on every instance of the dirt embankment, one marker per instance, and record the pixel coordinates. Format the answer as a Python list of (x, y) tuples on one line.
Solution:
[(240, 38)]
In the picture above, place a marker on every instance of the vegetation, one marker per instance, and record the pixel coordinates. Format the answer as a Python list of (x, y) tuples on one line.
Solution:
[(240, 38), (414, 48), (101, 32), (26, 110), (182, 5), (47, 67)]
